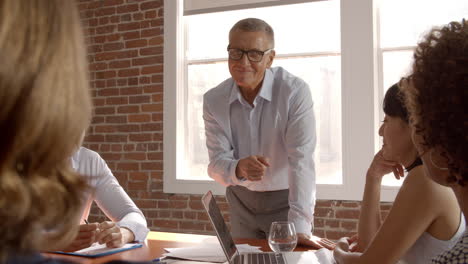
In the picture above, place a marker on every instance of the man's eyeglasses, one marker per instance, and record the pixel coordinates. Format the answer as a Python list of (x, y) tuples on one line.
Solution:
[(252, 55)]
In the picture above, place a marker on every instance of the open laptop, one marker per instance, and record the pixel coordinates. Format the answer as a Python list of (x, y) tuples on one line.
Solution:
[(229, 247)]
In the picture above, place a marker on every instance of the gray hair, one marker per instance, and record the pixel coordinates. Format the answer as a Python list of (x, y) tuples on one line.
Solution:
[(254, 25)]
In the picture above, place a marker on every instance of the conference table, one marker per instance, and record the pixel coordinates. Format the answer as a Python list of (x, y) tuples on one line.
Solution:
[(155, 244)]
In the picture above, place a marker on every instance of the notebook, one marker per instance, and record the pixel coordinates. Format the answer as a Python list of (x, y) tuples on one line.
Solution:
[(232, 254), (97, 250)]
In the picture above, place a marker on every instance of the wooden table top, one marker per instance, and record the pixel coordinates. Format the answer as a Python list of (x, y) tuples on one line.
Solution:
[(155, 244)]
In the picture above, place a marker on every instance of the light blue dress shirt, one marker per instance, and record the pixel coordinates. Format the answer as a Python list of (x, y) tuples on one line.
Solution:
[(279, 126)]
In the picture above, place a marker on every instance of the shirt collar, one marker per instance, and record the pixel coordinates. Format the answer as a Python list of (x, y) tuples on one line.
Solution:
[(265, 91)]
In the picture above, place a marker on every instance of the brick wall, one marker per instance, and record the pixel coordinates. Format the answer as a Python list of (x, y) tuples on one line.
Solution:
[(125, 45)]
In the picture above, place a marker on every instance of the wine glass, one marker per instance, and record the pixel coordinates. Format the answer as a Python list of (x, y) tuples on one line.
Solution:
[(282, 237)]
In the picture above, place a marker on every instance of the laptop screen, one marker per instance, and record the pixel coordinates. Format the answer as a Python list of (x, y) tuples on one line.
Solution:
[(217, 220)]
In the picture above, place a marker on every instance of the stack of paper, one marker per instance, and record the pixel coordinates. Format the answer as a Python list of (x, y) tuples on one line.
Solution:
[(206, 252)]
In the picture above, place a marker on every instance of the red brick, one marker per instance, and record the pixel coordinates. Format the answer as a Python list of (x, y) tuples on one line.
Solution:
[(138, 16), (94, 138), (128, 128), (151, 5), (157, 22), (129, 72), (151, 127), (158, 136), (136, 43), (116, 147), (332, 223), (105, 74), (178, 204), (108, 92), (98, 101), (135, 156), (347, 214), (128, 26), (152, 69), (113, 46), (119, 64), (116, 119), (131, 91), (126, 109), (107, 29), (156, 41), (111, 156), (99, 66), (158, 78), (166, 223), (151, 32), (177, 214), (154, 88), (191, 225), (142, 118), (140, 137), (146, 204), (116, 101), (127, 8), (151, 14), (103, 21), (139, 99), (105, 11), (152, 108), (157, 98), (196, 205), (151, 51), (147, 61), (104, 129), (137, 185), (131, 35), (127, 166), (151, 166), (324, 212), (108, 110), (116, 138), (112, 2), (138, 176)]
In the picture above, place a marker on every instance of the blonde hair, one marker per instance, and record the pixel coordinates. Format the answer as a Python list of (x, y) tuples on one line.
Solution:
[(45, 106)]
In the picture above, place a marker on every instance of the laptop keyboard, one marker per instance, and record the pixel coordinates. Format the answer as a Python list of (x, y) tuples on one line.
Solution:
[(262, 258)]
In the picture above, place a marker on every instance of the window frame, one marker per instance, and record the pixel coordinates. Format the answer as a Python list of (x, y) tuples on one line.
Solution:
[(361, 91)]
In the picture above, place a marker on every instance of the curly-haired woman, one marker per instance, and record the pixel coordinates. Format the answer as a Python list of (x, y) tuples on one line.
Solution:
[(437, 95)]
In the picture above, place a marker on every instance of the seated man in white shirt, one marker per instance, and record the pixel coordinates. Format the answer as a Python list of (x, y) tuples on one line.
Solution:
[(128, 222), (260, 135)]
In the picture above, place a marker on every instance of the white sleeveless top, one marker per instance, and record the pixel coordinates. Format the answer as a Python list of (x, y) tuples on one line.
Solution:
[(428, 247)]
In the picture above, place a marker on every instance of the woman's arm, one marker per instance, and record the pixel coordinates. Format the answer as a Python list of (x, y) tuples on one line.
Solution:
[(370, 219), (413, 211)]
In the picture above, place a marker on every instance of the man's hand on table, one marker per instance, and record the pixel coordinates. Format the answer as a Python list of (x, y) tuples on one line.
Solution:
[(314, 241)]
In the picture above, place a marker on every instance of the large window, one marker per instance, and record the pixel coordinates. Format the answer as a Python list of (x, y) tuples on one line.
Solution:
[(346, 54), (402, 24), (315, 59)]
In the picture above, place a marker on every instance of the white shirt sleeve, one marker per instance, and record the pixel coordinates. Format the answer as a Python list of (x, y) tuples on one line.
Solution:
[(301, 141), (222, 165), (110, 197)]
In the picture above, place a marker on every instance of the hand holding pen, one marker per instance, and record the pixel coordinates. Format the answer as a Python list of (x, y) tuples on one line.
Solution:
[(86, 237)]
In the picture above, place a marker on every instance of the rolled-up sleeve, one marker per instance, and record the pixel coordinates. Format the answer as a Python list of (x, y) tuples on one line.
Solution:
[(117, 205), (301, 141)]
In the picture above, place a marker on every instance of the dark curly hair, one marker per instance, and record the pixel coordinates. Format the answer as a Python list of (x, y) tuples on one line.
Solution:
[(437, 96)]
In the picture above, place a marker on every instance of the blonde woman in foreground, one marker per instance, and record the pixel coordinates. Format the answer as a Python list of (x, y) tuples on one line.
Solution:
[(45, 106)]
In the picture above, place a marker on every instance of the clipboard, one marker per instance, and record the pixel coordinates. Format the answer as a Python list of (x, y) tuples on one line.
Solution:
[(95, 251)]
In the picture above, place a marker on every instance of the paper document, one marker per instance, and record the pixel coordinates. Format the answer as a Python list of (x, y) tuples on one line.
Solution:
[(207, 252), (97, 250)]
